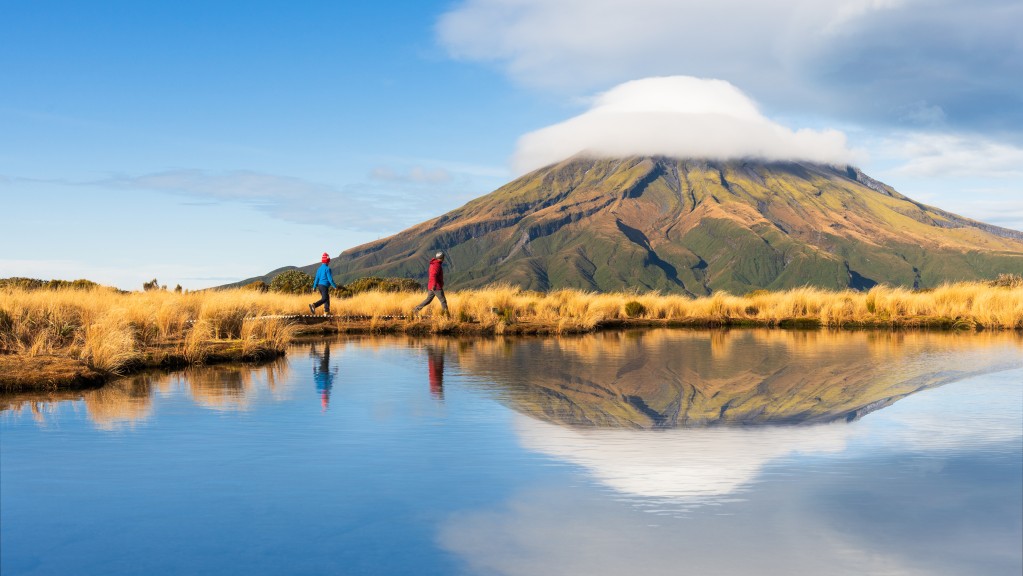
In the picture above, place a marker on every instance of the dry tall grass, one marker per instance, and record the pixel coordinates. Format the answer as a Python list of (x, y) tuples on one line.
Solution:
[(964, 305), (111, 330)]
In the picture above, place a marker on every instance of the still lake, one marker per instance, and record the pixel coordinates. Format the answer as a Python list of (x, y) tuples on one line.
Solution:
[(653, 452)]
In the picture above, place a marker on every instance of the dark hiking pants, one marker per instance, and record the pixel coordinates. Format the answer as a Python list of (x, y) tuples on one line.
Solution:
[(324, 298), (439, 293)]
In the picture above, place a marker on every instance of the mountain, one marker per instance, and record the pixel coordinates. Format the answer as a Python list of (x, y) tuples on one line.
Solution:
[(693, 226)]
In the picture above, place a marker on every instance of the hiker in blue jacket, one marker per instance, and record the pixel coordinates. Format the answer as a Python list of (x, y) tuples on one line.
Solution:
[(324, 282)]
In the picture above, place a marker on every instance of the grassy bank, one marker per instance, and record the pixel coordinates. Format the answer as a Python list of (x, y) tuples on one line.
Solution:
[(115, 332)]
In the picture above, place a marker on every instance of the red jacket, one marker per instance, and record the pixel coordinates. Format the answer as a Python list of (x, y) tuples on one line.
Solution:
[(436, 275)]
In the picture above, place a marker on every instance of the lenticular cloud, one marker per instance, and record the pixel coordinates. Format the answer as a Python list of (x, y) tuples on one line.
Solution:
[(677, 116)]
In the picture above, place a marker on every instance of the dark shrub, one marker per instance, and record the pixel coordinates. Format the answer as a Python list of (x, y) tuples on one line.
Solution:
[(257, 286), (383, 285), (292, 282), (34, 284), (374, 283), (1007, 281), (506, 315), (6, 326), (804, 323), (634, 309), (22, 283), (80, 284)]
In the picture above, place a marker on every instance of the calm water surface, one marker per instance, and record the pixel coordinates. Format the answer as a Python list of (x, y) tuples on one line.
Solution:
[(655, 452)]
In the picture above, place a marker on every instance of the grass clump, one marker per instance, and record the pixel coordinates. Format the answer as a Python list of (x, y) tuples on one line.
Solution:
[(109, 344), (1007, 281), (6, 325), (634, 309)]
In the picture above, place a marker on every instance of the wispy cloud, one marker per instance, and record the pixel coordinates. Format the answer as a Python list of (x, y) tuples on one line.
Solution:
[(999, 206), (969, 175), (900, 62), (958, 155), (388, 202), (1005, 208), (456, 168), (416, 174)]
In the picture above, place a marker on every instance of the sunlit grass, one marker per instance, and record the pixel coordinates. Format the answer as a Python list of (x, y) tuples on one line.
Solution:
[(112, 330)]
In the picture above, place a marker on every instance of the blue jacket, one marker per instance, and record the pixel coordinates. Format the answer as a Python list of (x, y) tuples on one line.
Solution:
[(324, 277)]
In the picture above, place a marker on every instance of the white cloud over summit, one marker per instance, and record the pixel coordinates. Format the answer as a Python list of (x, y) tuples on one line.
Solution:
[(678, 116)]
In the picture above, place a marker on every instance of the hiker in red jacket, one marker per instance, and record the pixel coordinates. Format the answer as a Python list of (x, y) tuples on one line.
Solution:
[(435, 285)]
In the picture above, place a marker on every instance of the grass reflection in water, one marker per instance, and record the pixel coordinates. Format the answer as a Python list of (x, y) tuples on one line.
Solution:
[(638, 379)]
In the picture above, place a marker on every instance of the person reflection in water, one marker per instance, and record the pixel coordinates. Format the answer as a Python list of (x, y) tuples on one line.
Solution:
[(323, 374), (435, 361)]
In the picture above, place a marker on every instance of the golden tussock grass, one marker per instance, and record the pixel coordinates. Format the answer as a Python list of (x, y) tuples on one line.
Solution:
[(112, 330), (964, 305)]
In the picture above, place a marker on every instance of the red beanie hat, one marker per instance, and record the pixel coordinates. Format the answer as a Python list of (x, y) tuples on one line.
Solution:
[(325, 258)]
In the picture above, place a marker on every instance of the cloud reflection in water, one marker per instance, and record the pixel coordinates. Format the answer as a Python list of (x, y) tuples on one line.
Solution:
[(927, 486), (677, 463)]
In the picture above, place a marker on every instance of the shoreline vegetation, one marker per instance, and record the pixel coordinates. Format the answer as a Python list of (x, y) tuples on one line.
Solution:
[(66, 335)]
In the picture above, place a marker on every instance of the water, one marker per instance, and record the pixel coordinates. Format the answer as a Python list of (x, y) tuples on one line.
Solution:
[(656, 452)]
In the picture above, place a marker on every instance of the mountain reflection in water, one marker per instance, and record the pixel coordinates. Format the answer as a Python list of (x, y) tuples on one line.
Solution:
[(689, 379), (723, 403)]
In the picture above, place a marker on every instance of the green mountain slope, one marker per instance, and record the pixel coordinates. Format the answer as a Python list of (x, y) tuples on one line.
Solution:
[(693, 226)]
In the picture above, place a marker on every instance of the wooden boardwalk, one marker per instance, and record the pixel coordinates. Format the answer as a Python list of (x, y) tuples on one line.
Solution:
[(321, 318), (310, 319)]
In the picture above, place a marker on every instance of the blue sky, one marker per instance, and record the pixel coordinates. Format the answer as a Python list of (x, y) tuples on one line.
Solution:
[(204, 142)]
